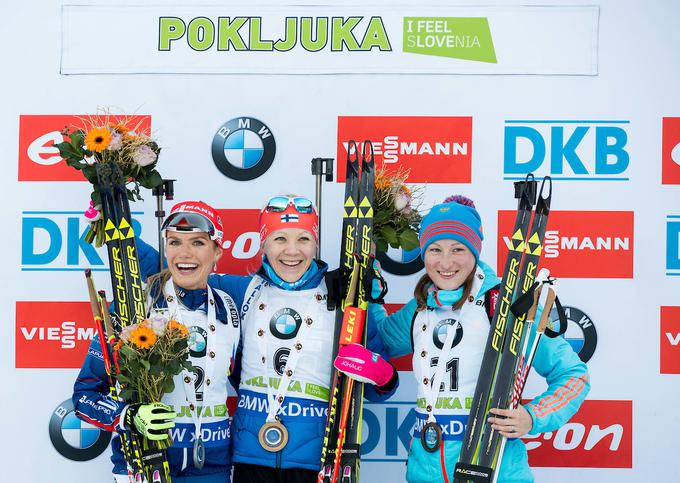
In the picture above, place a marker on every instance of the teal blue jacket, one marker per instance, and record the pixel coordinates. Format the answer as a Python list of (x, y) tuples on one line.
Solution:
[(555, 360)]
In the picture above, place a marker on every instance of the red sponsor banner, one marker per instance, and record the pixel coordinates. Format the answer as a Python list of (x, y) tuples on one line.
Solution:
[(670, 151), (580, 244), (52, 334), (241, 248), (600, 435), (39, 160), (433, 149), (670, 340)]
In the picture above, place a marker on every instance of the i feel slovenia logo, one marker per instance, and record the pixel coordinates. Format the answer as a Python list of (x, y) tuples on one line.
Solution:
[(243, 148)]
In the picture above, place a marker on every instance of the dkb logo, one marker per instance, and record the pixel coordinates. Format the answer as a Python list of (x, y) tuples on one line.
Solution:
[(55, 241), (673, 245), (567, 150)]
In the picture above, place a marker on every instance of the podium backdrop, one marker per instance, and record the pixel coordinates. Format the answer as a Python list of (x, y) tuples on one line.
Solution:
[(469, 98)]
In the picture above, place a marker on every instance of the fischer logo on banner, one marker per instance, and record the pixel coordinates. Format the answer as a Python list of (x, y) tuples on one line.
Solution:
[(241, 247), (670, 151), (52, 334), (670, 340), (575, 150), (54, 241), (580, 244), (39, 160), (599, 435), (673, 245), (433, 149)]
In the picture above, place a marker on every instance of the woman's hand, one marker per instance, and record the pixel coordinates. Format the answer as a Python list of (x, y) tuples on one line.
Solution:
[(515, 423)]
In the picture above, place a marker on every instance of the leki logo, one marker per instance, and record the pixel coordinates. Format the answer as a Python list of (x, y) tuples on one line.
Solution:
[(52, 334), (598, 436), (670, 340), (580, 244), (434, 149), (670, 153), (39, 160), (241, 242)]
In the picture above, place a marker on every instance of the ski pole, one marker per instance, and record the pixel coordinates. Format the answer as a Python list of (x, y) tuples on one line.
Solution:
[(321, 167), (167, 189)]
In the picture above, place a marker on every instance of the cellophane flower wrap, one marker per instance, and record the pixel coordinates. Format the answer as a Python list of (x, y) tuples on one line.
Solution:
[(107, 138), (396, 218)]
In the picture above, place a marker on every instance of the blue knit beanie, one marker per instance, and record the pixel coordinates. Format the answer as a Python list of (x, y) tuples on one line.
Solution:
[(455, 219)]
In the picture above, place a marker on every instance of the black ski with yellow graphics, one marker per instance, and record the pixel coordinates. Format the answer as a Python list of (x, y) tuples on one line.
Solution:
[(479, 457), (340, 456), (465, 469), (144, 458)]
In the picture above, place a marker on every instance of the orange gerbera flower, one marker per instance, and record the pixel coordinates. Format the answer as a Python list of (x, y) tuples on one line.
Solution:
[(143, 337), (382, 182), (121, 128), (173, 325), (98, 139)]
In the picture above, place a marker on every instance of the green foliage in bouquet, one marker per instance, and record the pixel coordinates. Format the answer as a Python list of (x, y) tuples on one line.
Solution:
[(396, 218), (111, 139)]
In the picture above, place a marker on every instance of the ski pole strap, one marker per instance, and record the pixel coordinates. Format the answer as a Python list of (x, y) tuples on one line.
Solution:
[(470, 472), (562, 317), (375, 275)]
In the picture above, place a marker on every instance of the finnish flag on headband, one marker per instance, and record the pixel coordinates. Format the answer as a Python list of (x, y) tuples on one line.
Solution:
[(290, 218)]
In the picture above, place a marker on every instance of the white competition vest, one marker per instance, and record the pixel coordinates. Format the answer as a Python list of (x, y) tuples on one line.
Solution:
[(273, 326), (200, 398), (457, 386)]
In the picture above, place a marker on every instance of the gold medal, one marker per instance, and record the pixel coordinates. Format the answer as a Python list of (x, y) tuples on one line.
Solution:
[(273, 436)]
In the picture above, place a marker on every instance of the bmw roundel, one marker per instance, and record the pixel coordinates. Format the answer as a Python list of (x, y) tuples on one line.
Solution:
[(75, 439), (442, 329), (285, 323), (400, 262), (581, 333), (243, 148)]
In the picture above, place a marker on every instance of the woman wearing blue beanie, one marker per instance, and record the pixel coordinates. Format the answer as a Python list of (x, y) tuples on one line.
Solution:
[(446, 326)]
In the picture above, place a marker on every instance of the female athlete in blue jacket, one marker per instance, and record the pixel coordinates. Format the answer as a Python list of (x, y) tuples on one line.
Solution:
[(457, 282)]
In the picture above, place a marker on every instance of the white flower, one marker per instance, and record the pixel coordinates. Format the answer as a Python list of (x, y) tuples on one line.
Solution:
[(127, 330), (144, 155), (401, 200), (116, 141), (158, 322)]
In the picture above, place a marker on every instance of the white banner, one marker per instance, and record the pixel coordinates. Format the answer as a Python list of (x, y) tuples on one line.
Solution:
[(330, 39)]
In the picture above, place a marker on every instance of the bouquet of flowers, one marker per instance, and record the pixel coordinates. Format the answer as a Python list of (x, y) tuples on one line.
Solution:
[(149, 355), (111, 139), (396, 217)]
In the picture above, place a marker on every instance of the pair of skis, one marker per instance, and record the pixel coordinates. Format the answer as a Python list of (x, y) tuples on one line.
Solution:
[(498, 383), (340, 455), (146, 462)]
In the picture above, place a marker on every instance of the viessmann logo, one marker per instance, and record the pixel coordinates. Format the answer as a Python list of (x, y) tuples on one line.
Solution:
[(434, 149), (39, 160), (670, 340), (599, 435), (240, 251), (580, 244), (52, 334)]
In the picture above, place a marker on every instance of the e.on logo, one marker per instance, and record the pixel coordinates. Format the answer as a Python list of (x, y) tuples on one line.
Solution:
[(52, 334), (598, 436), (39, 160), (433, 149), (580, 244), (241, 247), (670, 340), (670, 151)]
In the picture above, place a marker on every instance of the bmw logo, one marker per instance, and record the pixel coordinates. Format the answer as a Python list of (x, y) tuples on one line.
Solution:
[(197, 341), (442, 328), (285, 323), (243, 148), (400, 262), (580, 334), (75, 439)]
